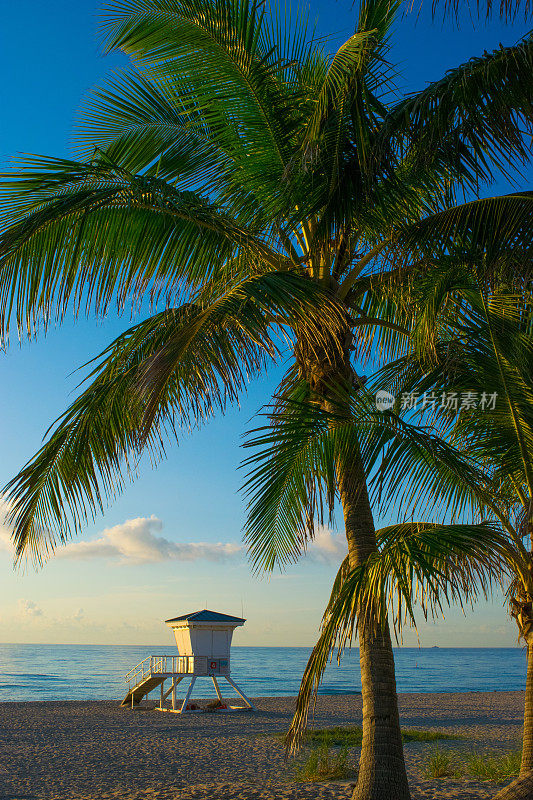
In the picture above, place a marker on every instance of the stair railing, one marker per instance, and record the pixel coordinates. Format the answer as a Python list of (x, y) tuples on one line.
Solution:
[(159, 664)]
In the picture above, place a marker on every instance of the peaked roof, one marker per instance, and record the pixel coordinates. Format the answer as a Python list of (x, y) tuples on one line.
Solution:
[(208, 616)]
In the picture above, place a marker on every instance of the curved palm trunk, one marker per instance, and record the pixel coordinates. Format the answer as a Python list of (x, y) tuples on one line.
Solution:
[(521, 607), (527, 752), (382, 774)]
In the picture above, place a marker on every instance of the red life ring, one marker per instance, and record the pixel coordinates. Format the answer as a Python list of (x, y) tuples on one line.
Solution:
[(212, 665)]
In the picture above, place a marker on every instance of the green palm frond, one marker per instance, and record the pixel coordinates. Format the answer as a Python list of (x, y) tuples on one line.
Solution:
[(507, 10), (105, 431), (168, 373), (290, 483), (172, 43), (347, 99), (146, 129), (481, 109), (259, 308), (497, 228), (291, 479), (418, 564), (480, 347), (94, 232)]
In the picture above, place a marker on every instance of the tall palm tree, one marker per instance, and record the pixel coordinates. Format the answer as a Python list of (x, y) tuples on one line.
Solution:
[(258, 187), (479, 343)]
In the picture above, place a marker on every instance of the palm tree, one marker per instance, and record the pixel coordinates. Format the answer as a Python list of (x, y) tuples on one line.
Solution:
[(480, 341), (426, 564), (262, 191)]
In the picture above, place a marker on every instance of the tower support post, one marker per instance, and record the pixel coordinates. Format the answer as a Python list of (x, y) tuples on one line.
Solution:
[(188, 695), (241, 694)]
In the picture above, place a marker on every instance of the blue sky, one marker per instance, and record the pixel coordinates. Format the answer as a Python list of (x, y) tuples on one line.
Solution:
[(171, 542)]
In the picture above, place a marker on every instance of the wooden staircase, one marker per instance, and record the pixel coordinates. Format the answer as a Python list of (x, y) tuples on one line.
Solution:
[(137, 692), (153, 672)]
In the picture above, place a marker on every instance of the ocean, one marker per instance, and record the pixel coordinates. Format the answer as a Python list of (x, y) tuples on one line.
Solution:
[(93, 672)]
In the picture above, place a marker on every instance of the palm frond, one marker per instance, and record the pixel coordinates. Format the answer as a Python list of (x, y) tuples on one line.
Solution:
[(507, 10), (171, 43), (291, 482), (496, 229), (104, 432), (93, 233), (418, 564), (169, 373), (481, 109), (146, 129)]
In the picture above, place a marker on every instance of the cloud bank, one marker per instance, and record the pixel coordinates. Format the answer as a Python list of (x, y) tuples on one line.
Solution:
[(328, 547), (29, 609), (138, 541)]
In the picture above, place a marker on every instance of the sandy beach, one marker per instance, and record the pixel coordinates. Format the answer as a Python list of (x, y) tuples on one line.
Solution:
[(74, 750)]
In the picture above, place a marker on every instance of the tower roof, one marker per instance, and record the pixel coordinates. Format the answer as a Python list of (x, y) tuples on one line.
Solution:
[(208, 616)]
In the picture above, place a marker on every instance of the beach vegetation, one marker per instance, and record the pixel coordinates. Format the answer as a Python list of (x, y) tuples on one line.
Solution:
[(439, 764), (413, 735), (335, 737), (325, 764), (494, 766), (269, 198), (352, 736), (500, 766)]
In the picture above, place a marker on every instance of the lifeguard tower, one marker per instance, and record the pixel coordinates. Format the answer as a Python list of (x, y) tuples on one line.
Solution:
[(203, 639)]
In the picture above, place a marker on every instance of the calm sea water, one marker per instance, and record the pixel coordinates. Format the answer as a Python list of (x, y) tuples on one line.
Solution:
[(87, 672)]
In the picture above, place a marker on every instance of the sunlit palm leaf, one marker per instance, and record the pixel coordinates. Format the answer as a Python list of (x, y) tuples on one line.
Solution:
[(291, 481)]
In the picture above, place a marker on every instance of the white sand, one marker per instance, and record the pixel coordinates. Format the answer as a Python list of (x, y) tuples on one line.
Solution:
[(74, 750)]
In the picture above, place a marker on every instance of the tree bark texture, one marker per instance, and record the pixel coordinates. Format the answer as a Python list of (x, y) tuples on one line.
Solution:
[(519, 789), (527, 751)]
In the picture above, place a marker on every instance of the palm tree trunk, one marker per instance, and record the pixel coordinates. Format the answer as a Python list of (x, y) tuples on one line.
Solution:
[(519, 789), (527, 752), (382, 774), (521, 609)]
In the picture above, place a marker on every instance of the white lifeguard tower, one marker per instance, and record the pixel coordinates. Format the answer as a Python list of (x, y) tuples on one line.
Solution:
[(203, 639)]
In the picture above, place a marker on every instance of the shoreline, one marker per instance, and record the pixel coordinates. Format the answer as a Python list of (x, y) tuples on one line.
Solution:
[(83, 750), (355, 693)]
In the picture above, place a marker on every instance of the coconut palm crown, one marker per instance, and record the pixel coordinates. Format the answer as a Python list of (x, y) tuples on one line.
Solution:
[(265, 193)]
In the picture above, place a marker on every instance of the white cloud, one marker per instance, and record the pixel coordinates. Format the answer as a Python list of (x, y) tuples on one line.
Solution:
[(328, 547), (29, 609), (6, 545), (137, 541)]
